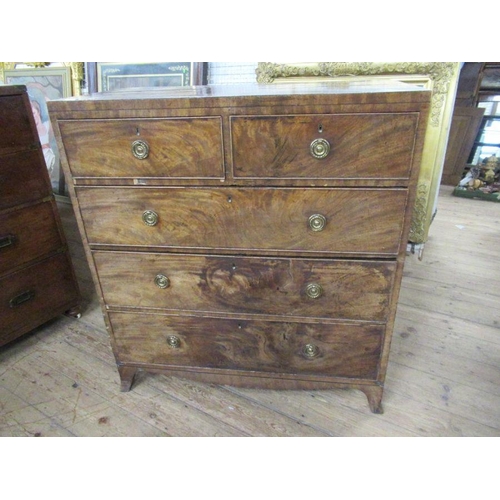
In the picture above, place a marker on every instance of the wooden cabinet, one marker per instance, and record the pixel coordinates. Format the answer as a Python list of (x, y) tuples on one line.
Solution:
[(37, 281), (251, 235)]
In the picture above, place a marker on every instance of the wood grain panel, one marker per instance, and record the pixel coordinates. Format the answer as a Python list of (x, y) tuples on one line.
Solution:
[(178, 147), (16, 132), (356, 290), (358, 221), (362, 145), (21, 178), (32, 233), (276, 347)]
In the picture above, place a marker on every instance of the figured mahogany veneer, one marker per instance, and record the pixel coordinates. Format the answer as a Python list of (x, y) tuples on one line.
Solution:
[(248, 235)]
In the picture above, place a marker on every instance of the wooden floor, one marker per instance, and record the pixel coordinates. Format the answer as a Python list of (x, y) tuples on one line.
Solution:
[(443, 377)]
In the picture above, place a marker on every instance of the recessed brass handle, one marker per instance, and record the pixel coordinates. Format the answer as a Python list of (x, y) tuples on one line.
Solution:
[(161, 281), (310, 350), (320, 148), (317, 222), (173, 341), (150, 218), (22, 298), (7, 241), (140, 149), (314, 290)]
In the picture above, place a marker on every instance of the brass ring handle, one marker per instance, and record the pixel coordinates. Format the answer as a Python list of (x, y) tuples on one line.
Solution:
[(314, 290), (310, 350), (320, 148), (150, 218), (317, 222), (173, 341), (161, 281), (140, 149)]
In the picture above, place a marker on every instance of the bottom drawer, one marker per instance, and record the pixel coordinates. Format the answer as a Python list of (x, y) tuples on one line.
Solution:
[(340, 350), (35, 294)]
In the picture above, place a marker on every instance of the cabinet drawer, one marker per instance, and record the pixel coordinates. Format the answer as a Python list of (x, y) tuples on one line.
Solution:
[(30, 296), (176, 148), (339, 350), (27, 234), (307, 221), (16, 132), (355, 290), (22, 179), (364, 146)]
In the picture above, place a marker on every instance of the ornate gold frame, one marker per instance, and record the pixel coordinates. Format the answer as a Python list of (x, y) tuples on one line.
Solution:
[(76, 69), (440, 77)]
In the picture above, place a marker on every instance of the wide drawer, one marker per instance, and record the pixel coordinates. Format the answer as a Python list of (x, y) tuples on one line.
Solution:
[(349, 221), (339, 350), (354, 290), (22, 179), (27, 234), (324, 146), (16, 131), (140, 148), (29, 297)]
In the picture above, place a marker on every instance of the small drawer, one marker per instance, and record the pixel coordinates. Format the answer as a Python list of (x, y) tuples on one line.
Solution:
[(295, 221), (29, 297), (338, 289), (16, 129), (27, 234), (22, 179), (324, 146), (339, 350), (140, 148)]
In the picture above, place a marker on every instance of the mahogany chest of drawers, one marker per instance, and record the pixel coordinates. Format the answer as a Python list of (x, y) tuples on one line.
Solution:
[(37, 282), (250, 235)]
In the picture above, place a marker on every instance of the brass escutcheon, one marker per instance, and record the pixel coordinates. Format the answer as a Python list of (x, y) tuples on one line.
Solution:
[(314, 290), (320, 148), (310, 350), (150, 218), (161, 281), (140, 149), (173, 341), (317, 222)]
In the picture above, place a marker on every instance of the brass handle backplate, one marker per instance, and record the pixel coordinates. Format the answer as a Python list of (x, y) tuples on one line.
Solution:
[(317, 222), (173, 341), (150, 218), (22, 298), (310, 350), (320, 148), (140, 149), (161, 281), (314, 290)]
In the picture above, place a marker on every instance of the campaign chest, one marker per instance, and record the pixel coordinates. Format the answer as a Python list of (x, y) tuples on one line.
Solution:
[(247, 235), (37, 281)]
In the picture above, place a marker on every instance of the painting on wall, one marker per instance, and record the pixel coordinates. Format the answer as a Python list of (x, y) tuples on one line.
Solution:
[(116, 76), (44, 84)]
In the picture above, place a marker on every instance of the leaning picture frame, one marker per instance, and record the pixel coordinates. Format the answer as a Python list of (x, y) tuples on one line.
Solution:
[(44, 84)]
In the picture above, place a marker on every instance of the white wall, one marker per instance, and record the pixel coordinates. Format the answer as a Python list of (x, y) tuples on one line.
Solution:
[(231, 72)]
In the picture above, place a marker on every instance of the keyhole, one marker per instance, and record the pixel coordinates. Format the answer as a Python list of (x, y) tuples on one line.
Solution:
[(233, 267), (137, 131), (320, 128), (229, 199)]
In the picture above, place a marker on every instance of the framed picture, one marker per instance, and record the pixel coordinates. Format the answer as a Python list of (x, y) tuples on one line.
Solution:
[(115, 76), (44, 84)]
